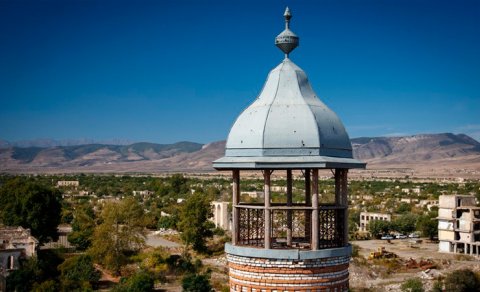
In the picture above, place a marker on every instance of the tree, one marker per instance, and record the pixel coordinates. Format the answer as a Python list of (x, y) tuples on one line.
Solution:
[(412, 285), (428, 225), (461, 281), (78, 273), (139, 282), (197, 283), (33, 272), (405, 223), (403, 208), (378, 227), (31, 205), (83, 226), (194, 223), (121, 231)]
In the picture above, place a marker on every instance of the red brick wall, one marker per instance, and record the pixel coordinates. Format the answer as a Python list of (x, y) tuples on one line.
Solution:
[(249, 274)]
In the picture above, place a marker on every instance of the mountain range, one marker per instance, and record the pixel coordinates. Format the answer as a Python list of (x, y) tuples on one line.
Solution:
[(425, 152)]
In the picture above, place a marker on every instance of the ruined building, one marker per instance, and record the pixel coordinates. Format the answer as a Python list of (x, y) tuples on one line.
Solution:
[(287, 245), (459, 224)]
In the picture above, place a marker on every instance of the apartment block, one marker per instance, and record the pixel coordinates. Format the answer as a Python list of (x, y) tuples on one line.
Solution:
[(459, 224), (366, 217)]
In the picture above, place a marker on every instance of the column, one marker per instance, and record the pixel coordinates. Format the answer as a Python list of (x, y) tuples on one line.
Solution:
[(315, 209), (341, 198), (289, 204), (308, 203), (235, 200), (267, 213)]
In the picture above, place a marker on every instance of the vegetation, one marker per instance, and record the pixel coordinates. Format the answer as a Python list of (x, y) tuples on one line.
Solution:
[(197, 283), (412, 285), (83, 226), (121, 232), (78, 273), (428, 225), (30, 205), (461, 281), (138, 282), (194, 223)]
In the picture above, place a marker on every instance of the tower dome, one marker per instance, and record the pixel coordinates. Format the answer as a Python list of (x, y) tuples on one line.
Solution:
[(288, 124)]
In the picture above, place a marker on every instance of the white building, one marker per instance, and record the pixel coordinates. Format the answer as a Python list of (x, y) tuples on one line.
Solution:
[(16, 243), (367, 217), (68, 183), (459, 224), (254, 194), (221, 216)]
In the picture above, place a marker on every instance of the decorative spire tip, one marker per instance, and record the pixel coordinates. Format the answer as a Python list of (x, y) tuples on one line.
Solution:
[(287, 41)]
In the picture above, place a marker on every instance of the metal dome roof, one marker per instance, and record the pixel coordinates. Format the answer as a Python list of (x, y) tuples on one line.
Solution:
[(287, 126)]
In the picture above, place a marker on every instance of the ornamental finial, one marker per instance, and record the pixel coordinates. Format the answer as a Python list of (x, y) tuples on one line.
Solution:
[(287, 41)]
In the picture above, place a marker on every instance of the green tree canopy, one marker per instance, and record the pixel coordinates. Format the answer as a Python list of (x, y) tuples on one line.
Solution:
[(139, 282), (378, 227), (197, 283), (83, 225), (31, 205), (121, 231), (194, 223), (428, 225), (405, 223), (78, 273)]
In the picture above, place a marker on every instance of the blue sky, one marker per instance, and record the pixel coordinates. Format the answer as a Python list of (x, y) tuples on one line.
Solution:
[(167, 71)]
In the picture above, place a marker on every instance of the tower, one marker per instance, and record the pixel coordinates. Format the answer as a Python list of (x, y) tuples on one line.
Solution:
[(290, 245)]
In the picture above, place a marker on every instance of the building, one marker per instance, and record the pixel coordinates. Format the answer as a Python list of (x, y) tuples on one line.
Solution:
[(68, 183), (253, 194), (288, 246), (144, 194), (62, 242), (221, 216), (458, 224), (16, 243), (367, 217)]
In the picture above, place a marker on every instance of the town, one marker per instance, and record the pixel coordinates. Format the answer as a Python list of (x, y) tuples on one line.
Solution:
[(167, 241)]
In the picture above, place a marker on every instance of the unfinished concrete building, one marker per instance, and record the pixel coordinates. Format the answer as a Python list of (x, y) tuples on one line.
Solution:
[(459, 224), (286, 245)]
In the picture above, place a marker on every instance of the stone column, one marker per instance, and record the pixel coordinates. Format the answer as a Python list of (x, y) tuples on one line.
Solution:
[(289, 204), (235, 200), (315, 209), (267, 213)]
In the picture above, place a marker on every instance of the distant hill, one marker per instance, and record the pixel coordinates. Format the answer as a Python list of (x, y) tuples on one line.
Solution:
[(415, 149), (425, 152), (46, 143)]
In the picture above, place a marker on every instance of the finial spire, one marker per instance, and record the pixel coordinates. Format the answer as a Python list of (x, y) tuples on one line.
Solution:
[(287, 16), (287, 41)]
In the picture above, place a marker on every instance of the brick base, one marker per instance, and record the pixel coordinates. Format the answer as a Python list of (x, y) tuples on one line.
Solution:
[(251, 274)]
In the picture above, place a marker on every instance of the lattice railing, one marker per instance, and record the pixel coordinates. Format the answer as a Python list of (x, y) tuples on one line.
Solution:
[(300, 231), (251, 228), (331, 227)]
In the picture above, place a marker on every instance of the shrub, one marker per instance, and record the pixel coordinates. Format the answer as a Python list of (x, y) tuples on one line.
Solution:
[(462, 281), (412, 285), (197, 283)]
